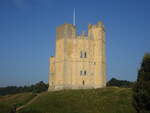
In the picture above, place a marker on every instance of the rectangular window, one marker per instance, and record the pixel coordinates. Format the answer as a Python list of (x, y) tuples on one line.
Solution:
[(84, 72), (81, 72), (81, 54), (85, 55)]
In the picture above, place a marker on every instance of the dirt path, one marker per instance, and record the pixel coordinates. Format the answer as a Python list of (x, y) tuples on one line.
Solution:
[(32, 100)]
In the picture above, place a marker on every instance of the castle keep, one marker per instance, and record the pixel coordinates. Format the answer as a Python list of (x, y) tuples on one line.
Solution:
[(79, 60)]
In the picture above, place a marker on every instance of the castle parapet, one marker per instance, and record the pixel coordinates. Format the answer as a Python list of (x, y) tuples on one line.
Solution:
[(66, 31), (95, 31), (98, 25)]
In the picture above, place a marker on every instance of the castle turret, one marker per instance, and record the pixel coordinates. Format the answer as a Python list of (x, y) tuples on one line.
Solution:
[(51, 73), (63, 34), (97, 33), (66, 31)]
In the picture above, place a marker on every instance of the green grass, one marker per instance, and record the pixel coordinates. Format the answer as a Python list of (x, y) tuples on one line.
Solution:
[(105, 100), (6, 102)]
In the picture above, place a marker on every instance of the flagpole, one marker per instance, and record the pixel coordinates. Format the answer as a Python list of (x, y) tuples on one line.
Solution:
[(74, 17)]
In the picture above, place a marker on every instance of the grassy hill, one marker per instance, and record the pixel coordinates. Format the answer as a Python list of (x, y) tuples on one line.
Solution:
[(105, 100), (6, 102)]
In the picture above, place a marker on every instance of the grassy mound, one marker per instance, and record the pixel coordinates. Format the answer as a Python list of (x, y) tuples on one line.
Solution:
[(6, 102), (105, 100)]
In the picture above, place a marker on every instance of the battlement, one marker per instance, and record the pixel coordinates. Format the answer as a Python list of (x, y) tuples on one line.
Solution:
[(69, 31), (98, 25), (66, 31)]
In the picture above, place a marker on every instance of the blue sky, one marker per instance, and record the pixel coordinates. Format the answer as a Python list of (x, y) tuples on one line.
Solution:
[(27, 35)]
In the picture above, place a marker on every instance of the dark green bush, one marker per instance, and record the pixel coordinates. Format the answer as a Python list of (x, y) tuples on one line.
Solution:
[(141, 95)]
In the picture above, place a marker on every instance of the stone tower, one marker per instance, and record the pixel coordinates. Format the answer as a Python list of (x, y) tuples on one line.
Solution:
[(79, 60)]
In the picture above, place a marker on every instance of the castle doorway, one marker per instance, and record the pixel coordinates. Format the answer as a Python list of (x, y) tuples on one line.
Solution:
[(83, 82)]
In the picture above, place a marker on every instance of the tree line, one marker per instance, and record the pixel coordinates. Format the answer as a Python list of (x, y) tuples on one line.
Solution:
[(120, 83), (35, 88), (41, 86)]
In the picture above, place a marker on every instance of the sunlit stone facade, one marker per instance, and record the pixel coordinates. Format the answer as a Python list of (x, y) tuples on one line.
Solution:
[(79, 60)]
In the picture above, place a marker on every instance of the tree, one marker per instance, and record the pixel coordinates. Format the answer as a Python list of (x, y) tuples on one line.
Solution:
[(119, 83), (40, 87), (141, 90)]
